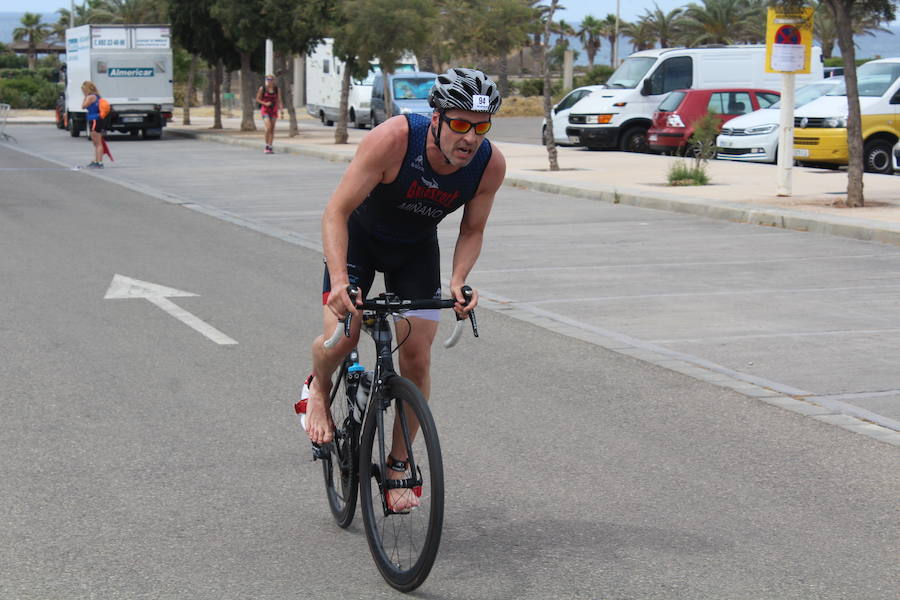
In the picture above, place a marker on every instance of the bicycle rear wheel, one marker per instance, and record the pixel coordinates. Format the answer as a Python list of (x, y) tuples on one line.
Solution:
[(339, 468), (405, 545)]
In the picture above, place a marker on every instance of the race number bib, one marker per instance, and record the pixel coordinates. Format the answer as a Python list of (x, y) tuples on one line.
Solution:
[(481, 103)]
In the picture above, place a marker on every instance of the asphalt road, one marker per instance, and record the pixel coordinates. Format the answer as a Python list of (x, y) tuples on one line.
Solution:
[(140, 459)]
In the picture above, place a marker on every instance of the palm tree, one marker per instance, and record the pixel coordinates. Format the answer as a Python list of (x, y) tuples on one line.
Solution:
[(34, 32), (608, 30), (641, 35), (825, 28), (563, 30), (664, 25), (590, 34), (717, 22)]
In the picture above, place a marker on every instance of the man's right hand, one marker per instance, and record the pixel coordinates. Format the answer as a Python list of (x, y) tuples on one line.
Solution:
[(339, 301)]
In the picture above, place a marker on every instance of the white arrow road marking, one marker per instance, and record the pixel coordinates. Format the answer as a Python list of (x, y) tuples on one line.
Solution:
[(127, 287)]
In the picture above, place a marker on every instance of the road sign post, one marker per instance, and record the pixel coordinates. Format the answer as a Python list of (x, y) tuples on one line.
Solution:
[(789, 34)]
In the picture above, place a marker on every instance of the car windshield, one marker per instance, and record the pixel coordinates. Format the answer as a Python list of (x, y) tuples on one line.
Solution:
[(873, 79), (808, 93), (630, 72), (375, 68), (671, 101), (412, 88)]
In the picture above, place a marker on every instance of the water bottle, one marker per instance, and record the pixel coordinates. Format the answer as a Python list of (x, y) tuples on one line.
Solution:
[(362, 395)]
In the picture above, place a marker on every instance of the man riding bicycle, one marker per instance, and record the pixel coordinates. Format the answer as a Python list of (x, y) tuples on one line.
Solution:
[(407, 175)]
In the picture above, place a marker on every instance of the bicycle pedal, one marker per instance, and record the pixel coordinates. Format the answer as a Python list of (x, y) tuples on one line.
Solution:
[(319, 452)]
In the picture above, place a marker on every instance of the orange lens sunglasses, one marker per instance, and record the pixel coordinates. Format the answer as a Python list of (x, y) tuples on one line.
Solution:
[(463, 126)]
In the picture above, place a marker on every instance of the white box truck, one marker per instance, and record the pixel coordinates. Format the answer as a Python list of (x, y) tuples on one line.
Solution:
[(619, 115), (324, 74), (131, 65)]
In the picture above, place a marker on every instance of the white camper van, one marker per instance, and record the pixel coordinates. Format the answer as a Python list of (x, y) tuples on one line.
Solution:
[(619, 115), (324, 74), (131, 65)]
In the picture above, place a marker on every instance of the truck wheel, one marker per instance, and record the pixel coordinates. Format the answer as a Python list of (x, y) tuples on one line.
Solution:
[(877, 157), (374, 121), (74, 127), (634, 139)]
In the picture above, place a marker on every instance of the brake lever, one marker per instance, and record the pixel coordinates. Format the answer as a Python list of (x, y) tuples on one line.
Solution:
[(467, 296)]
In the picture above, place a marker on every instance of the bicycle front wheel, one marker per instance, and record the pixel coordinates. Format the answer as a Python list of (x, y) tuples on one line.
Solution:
[(339, 468), (404, 544)]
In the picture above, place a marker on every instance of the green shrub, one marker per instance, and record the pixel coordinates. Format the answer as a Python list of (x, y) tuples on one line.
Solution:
[(599, 74), (12, 61), (30, 91), (535, 87), (682, 173)]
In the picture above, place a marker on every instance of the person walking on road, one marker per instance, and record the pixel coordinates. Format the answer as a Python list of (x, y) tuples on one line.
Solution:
[(95, 122), (408, 174), (269, 98)]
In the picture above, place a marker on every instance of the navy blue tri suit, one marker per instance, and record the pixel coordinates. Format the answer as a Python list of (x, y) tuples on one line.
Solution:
[(394, 230)]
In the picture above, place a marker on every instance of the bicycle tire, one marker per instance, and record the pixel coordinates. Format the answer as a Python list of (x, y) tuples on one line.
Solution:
[(339, 469), (404, 546)]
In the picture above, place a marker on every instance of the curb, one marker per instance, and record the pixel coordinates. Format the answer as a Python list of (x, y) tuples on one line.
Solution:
[(858, 229)]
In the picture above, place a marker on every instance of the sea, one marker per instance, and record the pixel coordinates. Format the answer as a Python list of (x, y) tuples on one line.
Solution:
[(880, 45)]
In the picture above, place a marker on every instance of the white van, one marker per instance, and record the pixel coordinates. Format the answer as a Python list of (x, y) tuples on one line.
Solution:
[(324, 75), (820, 127), (619, 115)]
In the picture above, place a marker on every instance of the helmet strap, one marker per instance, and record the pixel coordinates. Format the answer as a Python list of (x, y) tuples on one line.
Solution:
[(437, 136)]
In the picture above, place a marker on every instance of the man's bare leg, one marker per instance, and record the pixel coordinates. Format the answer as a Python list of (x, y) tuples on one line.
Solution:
[(415, 365), (319, 426)]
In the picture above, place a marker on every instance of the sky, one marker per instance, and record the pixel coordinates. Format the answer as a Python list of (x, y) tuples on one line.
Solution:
[(574, 11)]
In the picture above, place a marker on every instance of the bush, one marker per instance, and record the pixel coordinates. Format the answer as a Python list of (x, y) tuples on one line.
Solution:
[(681, 173), (535, 87), (29, 91), (12, 61), (599, 74)]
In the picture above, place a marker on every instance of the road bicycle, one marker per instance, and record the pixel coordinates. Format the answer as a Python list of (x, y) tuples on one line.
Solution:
[(379, 415)]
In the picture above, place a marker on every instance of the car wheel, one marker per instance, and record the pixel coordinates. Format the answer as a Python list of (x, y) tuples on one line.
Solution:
[(373, 120), (877, 157), (634, 140)]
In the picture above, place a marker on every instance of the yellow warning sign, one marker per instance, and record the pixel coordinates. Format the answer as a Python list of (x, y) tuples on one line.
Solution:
[(789, 36)]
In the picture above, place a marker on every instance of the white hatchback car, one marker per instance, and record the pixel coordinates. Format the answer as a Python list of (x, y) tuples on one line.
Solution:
[(561, 114), (754, 137)]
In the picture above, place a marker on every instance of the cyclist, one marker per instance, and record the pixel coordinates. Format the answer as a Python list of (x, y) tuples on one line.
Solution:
[(408, 174), (269, 98)]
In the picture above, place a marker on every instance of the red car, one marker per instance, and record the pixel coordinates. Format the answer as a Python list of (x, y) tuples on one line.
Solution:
[(673, 121)]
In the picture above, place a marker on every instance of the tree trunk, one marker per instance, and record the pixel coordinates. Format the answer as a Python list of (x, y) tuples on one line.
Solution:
[(286, 85), (189, 91), (843, 19), (388, 97), (208, 88), (226, 83), (504, 75), (549, 142), (340, 133), (427, 62), (217, 95), (248, 94)]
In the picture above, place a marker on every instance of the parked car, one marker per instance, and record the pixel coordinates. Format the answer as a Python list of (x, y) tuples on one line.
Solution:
[(620, 115), (673, 121), (820, 127), (754, 137), (561, 112), (409, 91)]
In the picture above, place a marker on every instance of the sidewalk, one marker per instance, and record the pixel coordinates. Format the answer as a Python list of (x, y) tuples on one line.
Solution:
[(739, 192)]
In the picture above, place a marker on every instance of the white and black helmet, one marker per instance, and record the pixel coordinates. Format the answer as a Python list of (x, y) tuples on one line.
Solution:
[(464, 89)]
